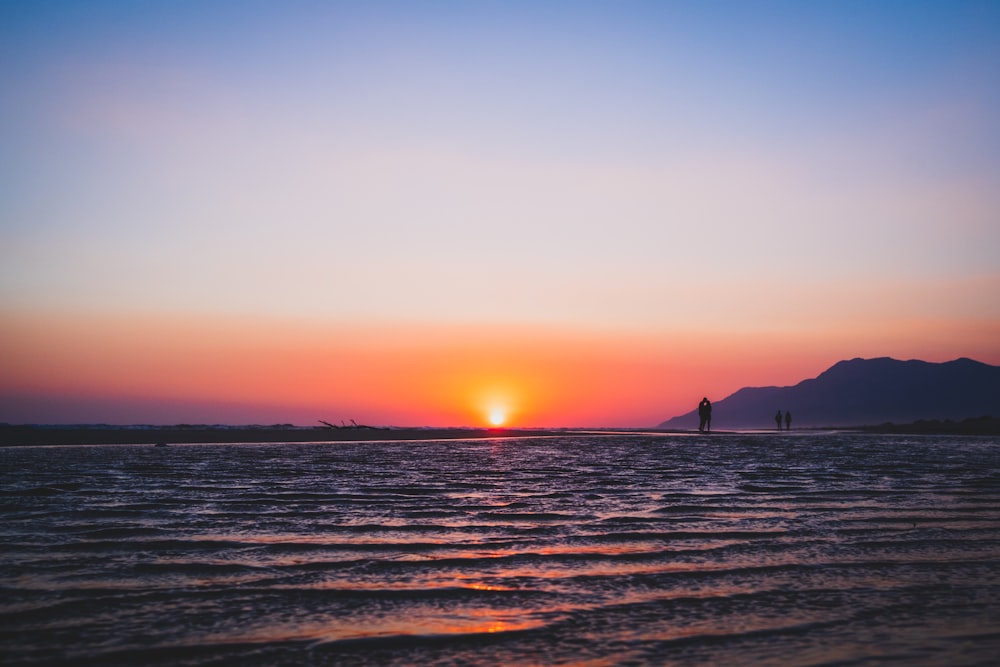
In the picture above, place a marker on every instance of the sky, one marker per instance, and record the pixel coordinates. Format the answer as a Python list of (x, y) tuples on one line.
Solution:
[(424, 213)]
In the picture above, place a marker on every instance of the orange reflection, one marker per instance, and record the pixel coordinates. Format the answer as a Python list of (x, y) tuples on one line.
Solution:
[(465, 621)]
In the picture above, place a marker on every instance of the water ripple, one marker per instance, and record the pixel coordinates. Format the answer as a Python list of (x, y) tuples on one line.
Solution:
[(748, 549)]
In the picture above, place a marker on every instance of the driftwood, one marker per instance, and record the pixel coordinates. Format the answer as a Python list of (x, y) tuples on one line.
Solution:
[(352, 425)]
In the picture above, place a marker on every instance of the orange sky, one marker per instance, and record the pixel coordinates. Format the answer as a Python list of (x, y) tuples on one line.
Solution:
[(300, 371)]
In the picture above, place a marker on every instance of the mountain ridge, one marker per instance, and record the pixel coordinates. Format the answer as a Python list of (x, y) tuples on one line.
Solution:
[(856, 392)]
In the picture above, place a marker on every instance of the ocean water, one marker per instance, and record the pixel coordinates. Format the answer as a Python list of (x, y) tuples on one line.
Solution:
[(753, 549)]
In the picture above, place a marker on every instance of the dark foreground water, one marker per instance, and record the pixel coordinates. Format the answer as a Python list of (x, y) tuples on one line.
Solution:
[(636, 550)]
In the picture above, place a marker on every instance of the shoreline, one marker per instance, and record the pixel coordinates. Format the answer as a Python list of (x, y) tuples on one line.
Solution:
[(27, 435)]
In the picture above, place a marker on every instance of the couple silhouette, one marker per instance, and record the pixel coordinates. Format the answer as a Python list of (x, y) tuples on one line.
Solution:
[(705, 415)]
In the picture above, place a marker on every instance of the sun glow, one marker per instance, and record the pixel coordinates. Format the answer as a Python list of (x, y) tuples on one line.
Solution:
[(497, 416)]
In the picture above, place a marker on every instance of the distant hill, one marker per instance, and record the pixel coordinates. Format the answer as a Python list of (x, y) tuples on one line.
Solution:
[(864, 391)]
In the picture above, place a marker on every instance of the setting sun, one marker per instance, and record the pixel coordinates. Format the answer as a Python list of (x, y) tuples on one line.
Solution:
[(497, 416)]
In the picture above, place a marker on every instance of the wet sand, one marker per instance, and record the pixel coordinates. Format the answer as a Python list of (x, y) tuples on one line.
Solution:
[(17, 435)]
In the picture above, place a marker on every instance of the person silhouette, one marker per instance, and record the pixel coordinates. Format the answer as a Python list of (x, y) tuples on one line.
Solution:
[(705, 415), (777, 419), (788, 420)]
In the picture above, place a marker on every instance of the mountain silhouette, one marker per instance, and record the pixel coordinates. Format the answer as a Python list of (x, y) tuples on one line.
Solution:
[(863, 392)]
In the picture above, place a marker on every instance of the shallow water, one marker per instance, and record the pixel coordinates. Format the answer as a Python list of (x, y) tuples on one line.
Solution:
[(814, 549)]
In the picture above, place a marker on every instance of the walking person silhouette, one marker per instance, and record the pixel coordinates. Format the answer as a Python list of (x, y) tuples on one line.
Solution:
[(788, 420), (777, 419)]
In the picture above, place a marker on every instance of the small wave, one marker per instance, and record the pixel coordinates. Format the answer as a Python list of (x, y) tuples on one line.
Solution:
[(528, 516), (42, 491), (99, 535), (430, 514)]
